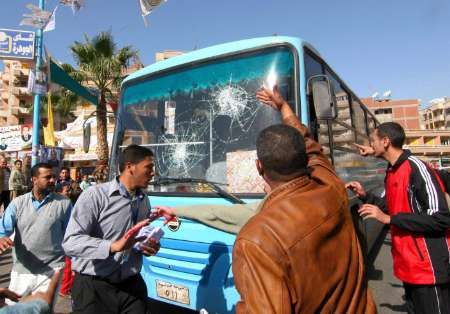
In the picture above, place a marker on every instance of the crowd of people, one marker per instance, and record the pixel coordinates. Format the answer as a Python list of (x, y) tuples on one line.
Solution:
[(296, 251)]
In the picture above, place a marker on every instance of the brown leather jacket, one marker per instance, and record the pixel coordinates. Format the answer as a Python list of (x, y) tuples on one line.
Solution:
[(301, 254)]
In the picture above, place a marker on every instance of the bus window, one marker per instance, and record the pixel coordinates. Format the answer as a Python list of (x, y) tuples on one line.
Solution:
[(318, 128), (342, 126), (370, 123), (359, 122)]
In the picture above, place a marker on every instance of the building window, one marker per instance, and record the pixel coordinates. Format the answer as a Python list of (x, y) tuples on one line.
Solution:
[(384, 114), (21, 120), (383, 111)]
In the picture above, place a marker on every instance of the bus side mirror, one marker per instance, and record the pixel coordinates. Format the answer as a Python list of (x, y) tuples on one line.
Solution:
[(323, 97), (86, 137)]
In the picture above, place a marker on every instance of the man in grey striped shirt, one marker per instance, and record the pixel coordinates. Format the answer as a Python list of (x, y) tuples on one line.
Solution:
[(107, 278)]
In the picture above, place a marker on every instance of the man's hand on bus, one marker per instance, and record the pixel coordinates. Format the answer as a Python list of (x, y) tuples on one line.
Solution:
[(364, 150), (356, 188), (165, 212), (272, 98), (373, 211)]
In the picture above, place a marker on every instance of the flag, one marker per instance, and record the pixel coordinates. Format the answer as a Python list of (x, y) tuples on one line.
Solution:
[(37, 18), (51, 22), (75, 4), (49, 131), (31, 78), (147, 6)]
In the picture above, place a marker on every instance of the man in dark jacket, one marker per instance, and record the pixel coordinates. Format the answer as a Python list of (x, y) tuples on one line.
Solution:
[(300, 252), (419, 217)]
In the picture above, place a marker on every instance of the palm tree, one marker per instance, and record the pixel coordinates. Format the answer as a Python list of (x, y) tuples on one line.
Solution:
[(100, 64)]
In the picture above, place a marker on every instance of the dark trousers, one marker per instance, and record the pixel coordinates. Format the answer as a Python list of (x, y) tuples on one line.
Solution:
[(427, 299), (5, 199), (93, 295)]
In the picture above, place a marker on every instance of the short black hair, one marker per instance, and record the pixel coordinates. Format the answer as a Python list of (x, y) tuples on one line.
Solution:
[(393, 131), (64, 168), (133, 154), (18, 161), (282, 153), (36, 167)]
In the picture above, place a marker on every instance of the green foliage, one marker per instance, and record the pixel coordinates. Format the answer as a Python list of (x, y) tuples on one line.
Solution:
[(101, 63)]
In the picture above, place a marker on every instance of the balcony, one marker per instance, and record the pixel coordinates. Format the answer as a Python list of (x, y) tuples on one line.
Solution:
[(21, 72), (437, 150), (21, 91)]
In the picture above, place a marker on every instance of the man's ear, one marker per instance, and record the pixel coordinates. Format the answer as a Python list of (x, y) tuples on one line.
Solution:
[(259, 167), (386, 142)]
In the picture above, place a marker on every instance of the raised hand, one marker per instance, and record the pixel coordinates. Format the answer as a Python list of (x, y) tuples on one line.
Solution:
[(364, 150), (272, 98)]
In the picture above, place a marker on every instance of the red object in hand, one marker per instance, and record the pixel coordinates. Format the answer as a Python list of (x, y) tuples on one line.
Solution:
[(135, 229)]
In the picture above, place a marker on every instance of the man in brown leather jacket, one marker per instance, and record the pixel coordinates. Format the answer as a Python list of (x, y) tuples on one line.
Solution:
[(300, 253)]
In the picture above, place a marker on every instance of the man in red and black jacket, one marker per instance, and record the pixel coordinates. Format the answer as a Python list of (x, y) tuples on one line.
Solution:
[(419, 217)]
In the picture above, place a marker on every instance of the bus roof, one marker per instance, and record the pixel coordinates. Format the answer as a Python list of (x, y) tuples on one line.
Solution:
[(213, 51)]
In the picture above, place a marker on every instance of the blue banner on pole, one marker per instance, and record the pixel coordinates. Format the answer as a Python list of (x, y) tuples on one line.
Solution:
[(15, 44)]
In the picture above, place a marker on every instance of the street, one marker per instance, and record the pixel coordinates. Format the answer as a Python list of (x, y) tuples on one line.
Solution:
[(387, 290)]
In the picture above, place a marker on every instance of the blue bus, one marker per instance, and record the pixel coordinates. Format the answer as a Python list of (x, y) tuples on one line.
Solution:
[(199, 114)]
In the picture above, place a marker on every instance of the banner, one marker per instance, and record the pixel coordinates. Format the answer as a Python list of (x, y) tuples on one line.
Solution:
[(51, 25), (52, 155), (15, 137)]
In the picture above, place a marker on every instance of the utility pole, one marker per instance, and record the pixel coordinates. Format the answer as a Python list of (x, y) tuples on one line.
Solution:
[(37, 98)]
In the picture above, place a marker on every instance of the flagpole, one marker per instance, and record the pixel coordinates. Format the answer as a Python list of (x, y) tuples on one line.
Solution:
[(37, 98)]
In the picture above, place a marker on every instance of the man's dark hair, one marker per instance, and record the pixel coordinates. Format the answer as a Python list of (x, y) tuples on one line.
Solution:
[(64, 168), (281, 151), (133, 154), (393, 131), (18, 161), (35, 169)]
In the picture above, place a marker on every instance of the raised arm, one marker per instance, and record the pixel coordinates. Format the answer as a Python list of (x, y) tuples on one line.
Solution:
[(313, 149), (229, 218)]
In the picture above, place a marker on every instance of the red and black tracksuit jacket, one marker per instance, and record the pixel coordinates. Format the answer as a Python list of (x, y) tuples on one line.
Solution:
[(420, 220)]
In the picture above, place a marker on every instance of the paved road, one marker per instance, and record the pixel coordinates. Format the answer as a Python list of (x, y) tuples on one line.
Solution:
[(387, 290)]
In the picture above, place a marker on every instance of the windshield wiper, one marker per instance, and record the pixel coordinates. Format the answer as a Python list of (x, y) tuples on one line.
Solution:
[(214, 185)]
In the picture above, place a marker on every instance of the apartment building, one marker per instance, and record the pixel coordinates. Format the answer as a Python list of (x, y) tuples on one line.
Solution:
[(404, 111), (426, 134), (436, 116), (166, 54), (15, 99)]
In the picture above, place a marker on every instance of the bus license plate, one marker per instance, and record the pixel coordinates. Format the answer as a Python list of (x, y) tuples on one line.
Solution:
[(172, 292)]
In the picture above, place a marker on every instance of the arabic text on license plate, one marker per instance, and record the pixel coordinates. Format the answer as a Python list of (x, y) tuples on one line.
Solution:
[(172, 292)]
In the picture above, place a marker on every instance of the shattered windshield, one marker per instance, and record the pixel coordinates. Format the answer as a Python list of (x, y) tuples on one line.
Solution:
[(202, 121)]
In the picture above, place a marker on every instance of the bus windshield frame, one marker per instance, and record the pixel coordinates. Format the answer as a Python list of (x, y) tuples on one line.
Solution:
[(265, 68)]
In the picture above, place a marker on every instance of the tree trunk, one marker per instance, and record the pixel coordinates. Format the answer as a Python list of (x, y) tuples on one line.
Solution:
[(102, 141)]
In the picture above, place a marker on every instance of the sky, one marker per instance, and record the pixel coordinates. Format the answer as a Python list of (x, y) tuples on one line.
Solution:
[(374, 45)]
